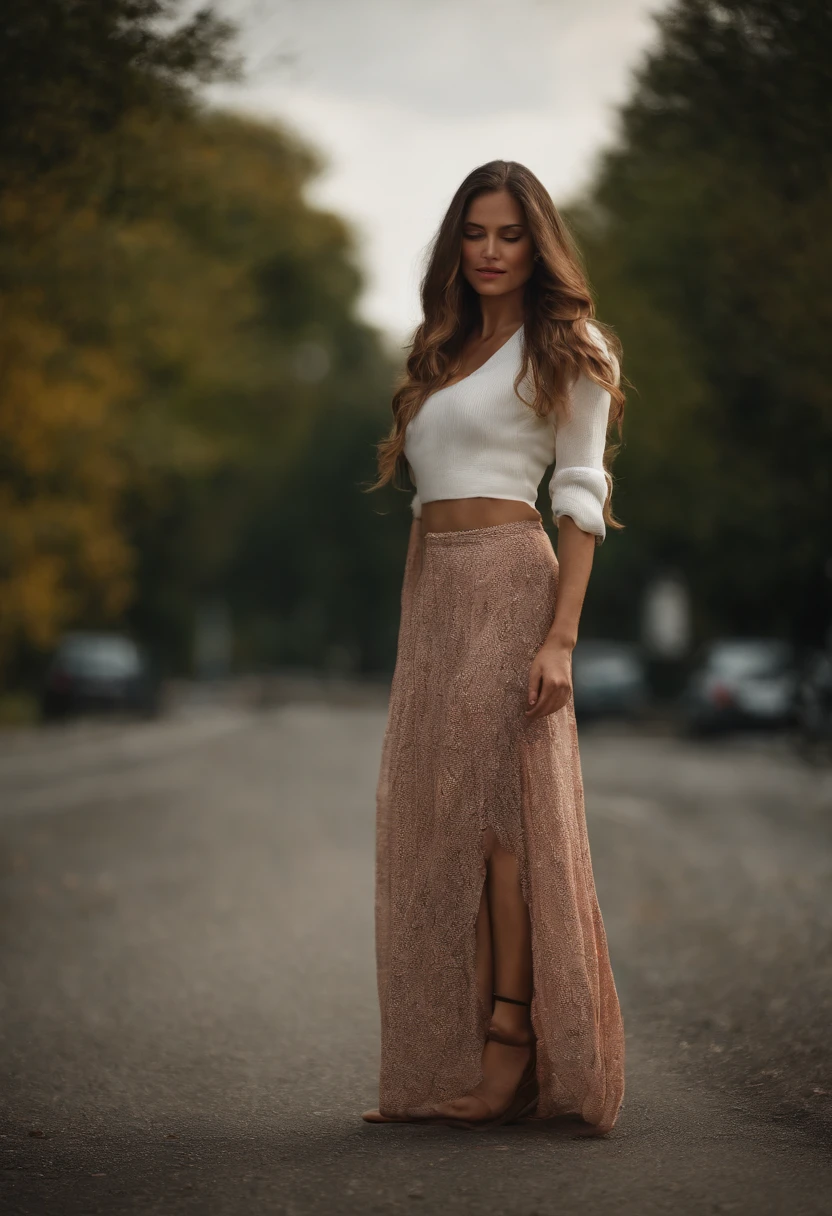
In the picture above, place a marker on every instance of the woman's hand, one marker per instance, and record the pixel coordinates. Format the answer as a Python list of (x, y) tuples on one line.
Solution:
[(550, 679)]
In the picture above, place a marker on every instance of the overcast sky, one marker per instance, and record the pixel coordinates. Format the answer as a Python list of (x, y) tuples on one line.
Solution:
[(405, 97)]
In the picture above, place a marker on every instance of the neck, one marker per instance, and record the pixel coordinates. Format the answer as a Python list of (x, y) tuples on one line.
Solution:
[(501, 314)]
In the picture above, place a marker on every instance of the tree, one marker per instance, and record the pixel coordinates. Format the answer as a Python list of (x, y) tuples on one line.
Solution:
[(706, 239), (177, 323)]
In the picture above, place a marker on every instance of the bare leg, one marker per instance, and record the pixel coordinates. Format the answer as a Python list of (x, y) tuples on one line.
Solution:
[(504, 965), (506, 919), (484, 950), (511, 932)]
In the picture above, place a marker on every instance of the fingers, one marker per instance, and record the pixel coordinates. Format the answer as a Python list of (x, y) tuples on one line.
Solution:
[(553, 695), (535, 681)]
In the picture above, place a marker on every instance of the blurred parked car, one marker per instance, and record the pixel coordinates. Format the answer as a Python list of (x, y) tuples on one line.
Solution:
[(98, 671), (740, 683), (608, 679)]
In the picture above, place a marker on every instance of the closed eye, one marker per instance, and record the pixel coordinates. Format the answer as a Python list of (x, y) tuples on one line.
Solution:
[(478, 236)]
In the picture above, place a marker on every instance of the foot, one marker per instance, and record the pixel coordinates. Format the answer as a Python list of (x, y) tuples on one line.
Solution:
[(502, 1067)]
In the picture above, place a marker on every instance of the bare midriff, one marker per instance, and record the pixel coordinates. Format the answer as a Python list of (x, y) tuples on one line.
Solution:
[(457, 514)]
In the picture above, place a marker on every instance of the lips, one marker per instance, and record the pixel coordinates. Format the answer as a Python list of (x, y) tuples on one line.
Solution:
[(489, 270)]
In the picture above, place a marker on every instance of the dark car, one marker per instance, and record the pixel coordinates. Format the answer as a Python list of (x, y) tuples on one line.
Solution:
[(98, 671), (608, 679), (741, 683)]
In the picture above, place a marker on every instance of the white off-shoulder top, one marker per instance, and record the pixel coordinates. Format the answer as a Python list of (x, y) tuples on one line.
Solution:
[(477, 439)]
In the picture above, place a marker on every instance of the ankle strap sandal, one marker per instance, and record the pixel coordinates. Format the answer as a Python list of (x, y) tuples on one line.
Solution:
[(511, 1000), (501, 1036)]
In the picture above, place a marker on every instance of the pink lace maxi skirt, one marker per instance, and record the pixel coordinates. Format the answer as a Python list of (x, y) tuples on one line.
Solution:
[(458, 756)]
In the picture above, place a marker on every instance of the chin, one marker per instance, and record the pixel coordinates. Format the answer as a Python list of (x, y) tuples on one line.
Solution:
[(490, 289)]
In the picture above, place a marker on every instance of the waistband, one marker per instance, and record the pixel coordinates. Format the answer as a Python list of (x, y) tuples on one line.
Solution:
[(469, 536)]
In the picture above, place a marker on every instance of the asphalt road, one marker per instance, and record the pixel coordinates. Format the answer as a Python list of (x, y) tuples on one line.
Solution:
[(188, 1013)]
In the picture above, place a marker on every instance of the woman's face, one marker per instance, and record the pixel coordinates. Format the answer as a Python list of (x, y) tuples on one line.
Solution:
[(497, 249)]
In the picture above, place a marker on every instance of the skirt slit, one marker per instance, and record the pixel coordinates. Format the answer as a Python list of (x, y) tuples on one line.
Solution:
[(459, 757)]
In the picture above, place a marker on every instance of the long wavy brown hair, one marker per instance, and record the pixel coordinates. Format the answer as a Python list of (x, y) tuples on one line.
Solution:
[(559, 316)]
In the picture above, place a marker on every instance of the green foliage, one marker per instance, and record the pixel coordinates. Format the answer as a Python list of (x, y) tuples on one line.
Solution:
[(71, 70), (189, 407), (179, 345), (73, 73), (707, 243)]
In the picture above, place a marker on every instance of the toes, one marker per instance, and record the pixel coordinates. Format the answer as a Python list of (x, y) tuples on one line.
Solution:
[(375, 1116)]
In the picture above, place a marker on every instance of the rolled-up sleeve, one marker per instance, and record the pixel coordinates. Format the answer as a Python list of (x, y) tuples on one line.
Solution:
[(416, 506), (578, 487)]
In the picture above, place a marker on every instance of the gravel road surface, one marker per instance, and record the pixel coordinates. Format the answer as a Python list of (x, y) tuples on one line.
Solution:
[(188, 1019)]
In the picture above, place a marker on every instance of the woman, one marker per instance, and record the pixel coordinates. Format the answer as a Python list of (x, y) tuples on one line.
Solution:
[(496, 993)]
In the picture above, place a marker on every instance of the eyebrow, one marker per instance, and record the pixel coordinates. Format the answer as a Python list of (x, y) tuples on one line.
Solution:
[(474, 224)]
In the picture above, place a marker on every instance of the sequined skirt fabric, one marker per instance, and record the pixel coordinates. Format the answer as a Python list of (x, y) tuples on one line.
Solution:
[(459, 756)]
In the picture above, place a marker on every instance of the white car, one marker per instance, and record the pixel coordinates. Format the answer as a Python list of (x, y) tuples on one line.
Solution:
[(741, 682)]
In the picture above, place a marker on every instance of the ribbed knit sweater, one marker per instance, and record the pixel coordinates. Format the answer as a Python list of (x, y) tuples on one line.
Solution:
[(477, 439)]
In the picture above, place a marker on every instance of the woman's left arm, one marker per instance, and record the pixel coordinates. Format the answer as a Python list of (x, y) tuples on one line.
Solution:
[(578, 491), (550, 675)]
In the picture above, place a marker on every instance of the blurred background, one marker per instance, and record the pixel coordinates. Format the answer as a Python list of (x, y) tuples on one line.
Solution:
[(212, 231), (213, 222)]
